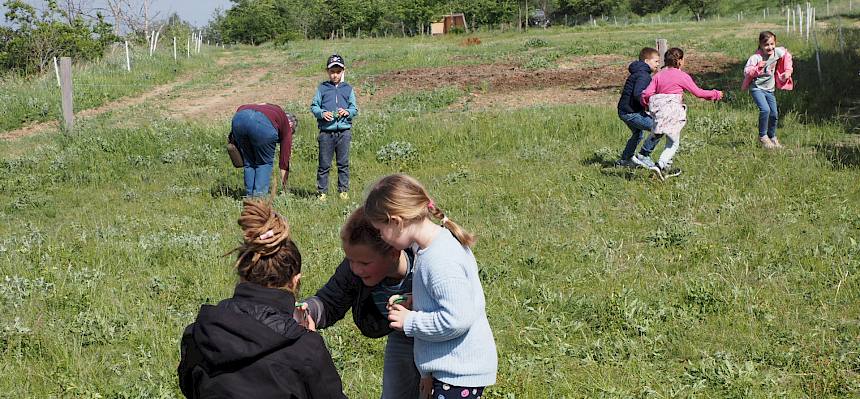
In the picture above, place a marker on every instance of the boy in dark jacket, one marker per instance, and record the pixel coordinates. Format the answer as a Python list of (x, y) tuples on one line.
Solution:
[(334, 107), (249, 346), (630, 109), (372, 273)]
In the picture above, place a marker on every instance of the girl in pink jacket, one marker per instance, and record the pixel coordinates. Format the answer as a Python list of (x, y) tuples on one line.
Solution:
[(768, 69), (664, 99)]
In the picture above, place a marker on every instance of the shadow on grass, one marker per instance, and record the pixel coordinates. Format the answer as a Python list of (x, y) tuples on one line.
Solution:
[(600, 157), (605, 159), (629, 174), (302, 192), (844, 153), (222, 189)]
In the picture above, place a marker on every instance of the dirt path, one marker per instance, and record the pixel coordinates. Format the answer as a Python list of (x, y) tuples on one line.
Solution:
[(121, 103), (215, 98), (262, 84), (593, 79)]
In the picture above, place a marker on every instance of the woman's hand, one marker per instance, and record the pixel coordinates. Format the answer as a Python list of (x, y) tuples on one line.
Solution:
[(397, 315), (328, 116), (342, 113), (761, 64)]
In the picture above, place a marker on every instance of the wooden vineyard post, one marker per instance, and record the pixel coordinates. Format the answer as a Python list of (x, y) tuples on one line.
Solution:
[(662, 47), (66, 90)]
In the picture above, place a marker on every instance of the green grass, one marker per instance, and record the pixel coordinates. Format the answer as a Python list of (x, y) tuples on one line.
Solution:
[(37, 99), (738, 279)]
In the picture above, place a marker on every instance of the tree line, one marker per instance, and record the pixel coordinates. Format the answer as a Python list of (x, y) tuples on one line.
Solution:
[(259, 21)]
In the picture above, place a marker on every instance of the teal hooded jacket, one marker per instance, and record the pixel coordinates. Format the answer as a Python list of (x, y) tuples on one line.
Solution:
[(329, 98)]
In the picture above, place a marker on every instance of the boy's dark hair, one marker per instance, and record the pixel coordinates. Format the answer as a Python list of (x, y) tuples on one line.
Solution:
[(359, 231), (268, 256), (673, 57), (647, 52)]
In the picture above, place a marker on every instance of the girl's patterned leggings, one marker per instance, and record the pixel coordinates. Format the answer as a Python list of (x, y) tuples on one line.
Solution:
[(442, 390)]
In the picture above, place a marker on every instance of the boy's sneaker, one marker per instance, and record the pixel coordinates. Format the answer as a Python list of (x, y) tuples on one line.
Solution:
[(670, 171), (344, 195), (643, 161), (625, 163), (322, 197), (765, 142)]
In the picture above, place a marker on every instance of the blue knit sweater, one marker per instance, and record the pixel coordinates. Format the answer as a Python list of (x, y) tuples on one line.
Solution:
[(453, 340)]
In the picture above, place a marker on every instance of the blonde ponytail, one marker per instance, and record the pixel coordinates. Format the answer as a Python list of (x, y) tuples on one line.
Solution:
[(465, 238), (402, 196)]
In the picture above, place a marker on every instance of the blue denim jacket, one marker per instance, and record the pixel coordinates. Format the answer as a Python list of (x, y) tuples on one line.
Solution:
[(330, 97)]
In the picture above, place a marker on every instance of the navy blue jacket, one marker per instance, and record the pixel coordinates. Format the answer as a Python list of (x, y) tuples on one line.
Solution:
[(631, 96), (345, 291), (330, 97)]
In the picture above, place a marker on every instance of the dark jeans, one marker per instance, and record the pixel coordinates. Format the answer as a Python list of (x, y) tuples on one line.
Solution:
[(334, 144), (768, 115), (256, 139), (638, 124)]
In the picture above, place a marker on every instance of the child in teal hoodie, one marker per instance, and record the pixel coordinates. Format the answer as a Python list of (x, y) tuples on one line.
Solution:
[(334, 107)]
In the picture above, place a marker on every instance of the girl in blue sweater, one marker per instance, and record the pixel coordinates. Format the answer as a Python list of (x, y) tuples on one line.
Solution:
[(454, 347)]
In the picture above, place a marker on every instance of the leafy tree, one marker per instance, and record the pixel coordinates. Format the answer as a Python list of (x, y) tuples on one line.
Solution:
[(34, 39), (643, 7), (485, 12), (699, 8), (258, 21), (588, 7)]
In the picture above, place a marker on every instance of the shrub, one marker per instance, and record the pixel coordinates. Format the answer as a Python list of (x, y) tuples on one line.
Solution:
[(424, 101), (397, 153), (536, 42), (539, 63)]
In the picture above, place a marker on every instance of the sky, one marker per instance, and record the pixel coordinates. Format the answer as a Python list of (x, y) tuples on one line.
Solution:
[(197, 12)]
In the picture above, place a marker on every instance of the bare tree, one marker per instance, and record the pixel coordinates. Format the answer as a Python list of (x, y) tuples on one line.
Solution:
[(136, 15), (117, 11)]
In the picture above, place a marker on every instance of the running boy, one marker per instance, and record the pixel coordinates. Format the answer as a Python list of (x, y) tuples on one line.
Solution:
[(664, 98), (630, 109), (334, 107)]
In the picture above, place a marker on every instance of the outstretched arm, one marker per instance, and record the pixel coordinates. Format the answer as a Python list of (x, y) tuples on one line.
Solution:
[(689, 85), (331, 302)]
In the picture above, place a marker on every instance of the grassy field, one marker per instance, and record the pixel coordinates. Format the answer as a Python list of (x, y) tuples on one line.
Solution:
[(737, 279), (37, 99)]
